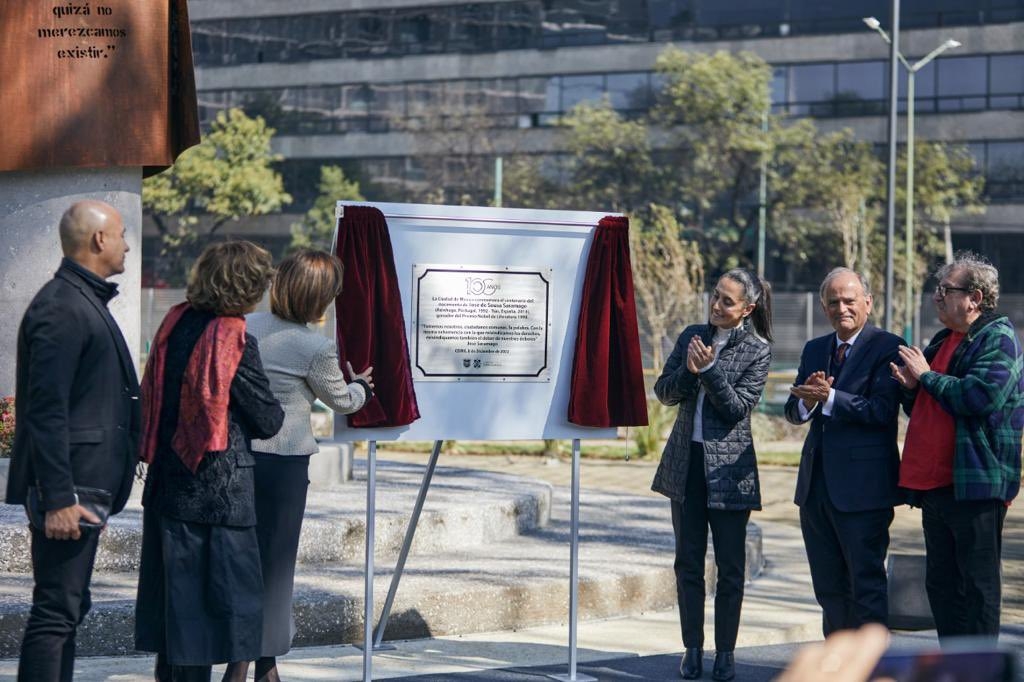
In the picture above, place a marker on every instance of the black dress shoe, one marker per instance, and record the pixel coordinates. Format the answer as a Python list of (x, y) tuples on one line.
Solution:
[(725, 667), (692, 665)]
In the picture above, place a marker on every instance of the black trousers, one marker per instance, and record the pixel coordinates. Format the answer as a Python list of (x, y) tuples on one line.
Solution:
[(62, 570), (963, 542), (281, 485), (846, 552), (690, 522)]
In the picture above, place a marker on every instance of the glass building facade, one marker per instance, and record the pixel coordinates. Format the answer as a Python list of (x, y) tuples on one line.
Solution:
[(544, 24), (271, 58), (821, 90)]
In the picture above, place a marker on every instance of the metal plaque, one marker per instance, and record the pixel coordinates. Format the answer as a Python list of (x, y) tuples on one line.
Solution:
[(481, 323)]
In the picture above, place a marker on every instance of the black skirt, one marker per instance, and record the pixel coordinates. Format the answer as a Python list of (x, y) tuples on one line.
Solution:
[(281, 484), (200, 592)]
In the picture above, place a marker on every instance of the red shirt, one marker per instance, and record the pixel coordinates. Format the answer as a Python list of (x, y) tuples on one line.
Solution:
[(931, 435)]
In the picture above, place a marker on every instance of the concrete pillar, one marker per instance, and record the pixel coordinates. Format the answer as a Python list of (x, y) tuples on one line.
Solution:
[(908, 600), (331, 466), (31, 204)]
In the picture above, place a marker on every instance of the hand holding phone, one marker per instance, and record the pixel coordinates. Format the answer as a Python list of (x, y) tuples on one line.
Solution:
[(966, 661)]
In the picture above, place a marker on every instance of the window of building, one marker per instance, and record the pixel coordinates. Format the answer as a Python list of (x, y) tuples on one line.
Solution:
[(1006, 81), (1004, 172), (629, 91), (576, 89), (924, 89), (423, 103), (534, 95), (518, 25), (499, 95), (780, 89), (962, 83), (860, 88), (387, 105), (812, 88), (472, 28), (366, 34), (417, 31)]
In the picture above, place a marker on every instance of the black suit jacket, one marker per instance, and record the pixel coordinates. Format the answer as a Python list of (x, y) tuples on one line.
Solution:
[(857, 443), (76, 396)]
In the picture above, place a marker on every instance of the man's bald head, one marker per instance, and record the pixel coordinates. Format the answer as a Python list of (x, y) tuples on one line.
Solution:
[(80, 222), (92, 234)]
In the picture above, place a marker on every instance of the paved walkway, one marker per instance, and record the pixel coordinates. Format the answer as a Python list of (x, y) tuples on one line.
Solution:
[(777, 486), (778, 612)]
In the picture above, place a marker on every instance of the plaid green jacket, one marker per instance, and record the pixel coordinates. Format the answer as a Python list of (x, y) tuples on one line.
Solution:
[(984, 391)]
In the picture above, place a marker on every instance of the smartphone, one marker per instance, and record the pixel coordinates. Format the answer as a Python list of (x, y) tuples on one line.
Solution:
[(988, 663)]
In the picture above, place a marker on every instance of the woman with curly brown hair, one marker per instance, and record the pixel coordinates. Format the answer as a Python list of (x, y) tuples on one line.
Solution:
[(204, 397)]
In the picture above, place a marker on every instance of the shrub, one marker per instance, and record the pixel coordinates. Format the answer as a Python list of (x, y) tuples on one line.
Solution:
[(648, 438)]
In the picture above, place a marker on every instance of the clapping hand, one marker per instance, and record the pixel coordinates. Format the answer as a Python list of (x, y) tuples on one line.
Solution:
[(366, 375), (914, 365), (814, 390), (698, 355)]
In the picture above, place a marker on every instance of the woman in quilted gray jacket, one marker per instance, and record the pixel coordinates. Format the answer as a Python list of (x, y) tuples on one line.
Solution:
[(302, 365), (716, 374)]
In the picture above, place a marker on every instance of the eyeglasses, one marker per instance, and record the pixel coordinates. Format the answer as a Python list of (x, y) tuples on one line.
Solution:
[(942, 290)]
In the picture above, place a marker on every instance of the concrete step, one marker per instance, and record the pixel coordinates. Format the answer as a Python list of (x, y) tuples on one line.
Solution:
[(463, 509), (625, 568)]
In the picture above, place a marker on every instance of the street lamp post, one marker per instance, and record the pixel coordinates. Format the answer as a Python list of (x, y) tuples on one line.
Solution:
[(912, 69)]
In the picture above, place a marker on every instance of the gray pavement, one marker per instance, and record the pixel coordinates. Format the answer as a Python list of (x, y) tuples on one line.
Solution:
[(779, 611)]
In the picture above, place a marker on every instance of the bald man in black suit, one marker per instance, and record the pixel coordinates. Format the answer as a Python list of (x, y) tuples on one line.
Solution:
[(77, 427)]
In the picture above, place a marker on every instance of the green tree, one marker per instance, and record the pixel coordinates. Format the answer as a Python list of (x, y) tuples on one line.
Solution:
[(317, 227), (668, 276), (713, 107), (228, 176), (945, 182), (699, 156), (528, 184), (611, 166), (823, 197)]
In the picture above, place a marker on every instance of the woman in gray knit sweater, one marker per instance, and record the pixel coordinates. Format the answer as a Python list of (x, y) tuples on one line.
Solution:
[(302, 365)]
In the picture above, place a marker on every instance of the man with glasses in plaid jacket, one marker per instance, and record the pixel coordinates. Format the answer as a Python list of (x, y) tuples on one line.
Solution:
[(962, 457)]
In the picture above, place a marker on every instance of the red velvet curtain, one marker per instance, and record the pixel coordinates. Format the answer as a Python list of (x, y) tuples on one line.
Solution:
[(370, 324), (607, 374)]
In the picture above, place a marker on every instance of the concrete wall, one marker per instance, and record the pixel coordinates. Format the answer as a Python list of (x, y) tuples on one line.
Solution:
[(31, 204)]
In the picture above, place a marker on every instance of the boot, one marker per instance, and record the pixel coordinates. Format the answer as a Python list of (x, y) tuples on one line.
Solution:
[(692, 665), (725, 667)]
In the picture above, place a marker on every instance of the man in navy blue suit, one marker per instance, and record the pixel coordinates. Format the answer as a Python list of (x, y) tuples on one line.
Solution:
[(849, 468)]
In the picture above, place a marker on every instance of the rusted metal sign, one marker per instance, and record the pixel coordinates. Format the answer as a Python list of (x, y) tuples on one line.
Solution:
[(104, 83)]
